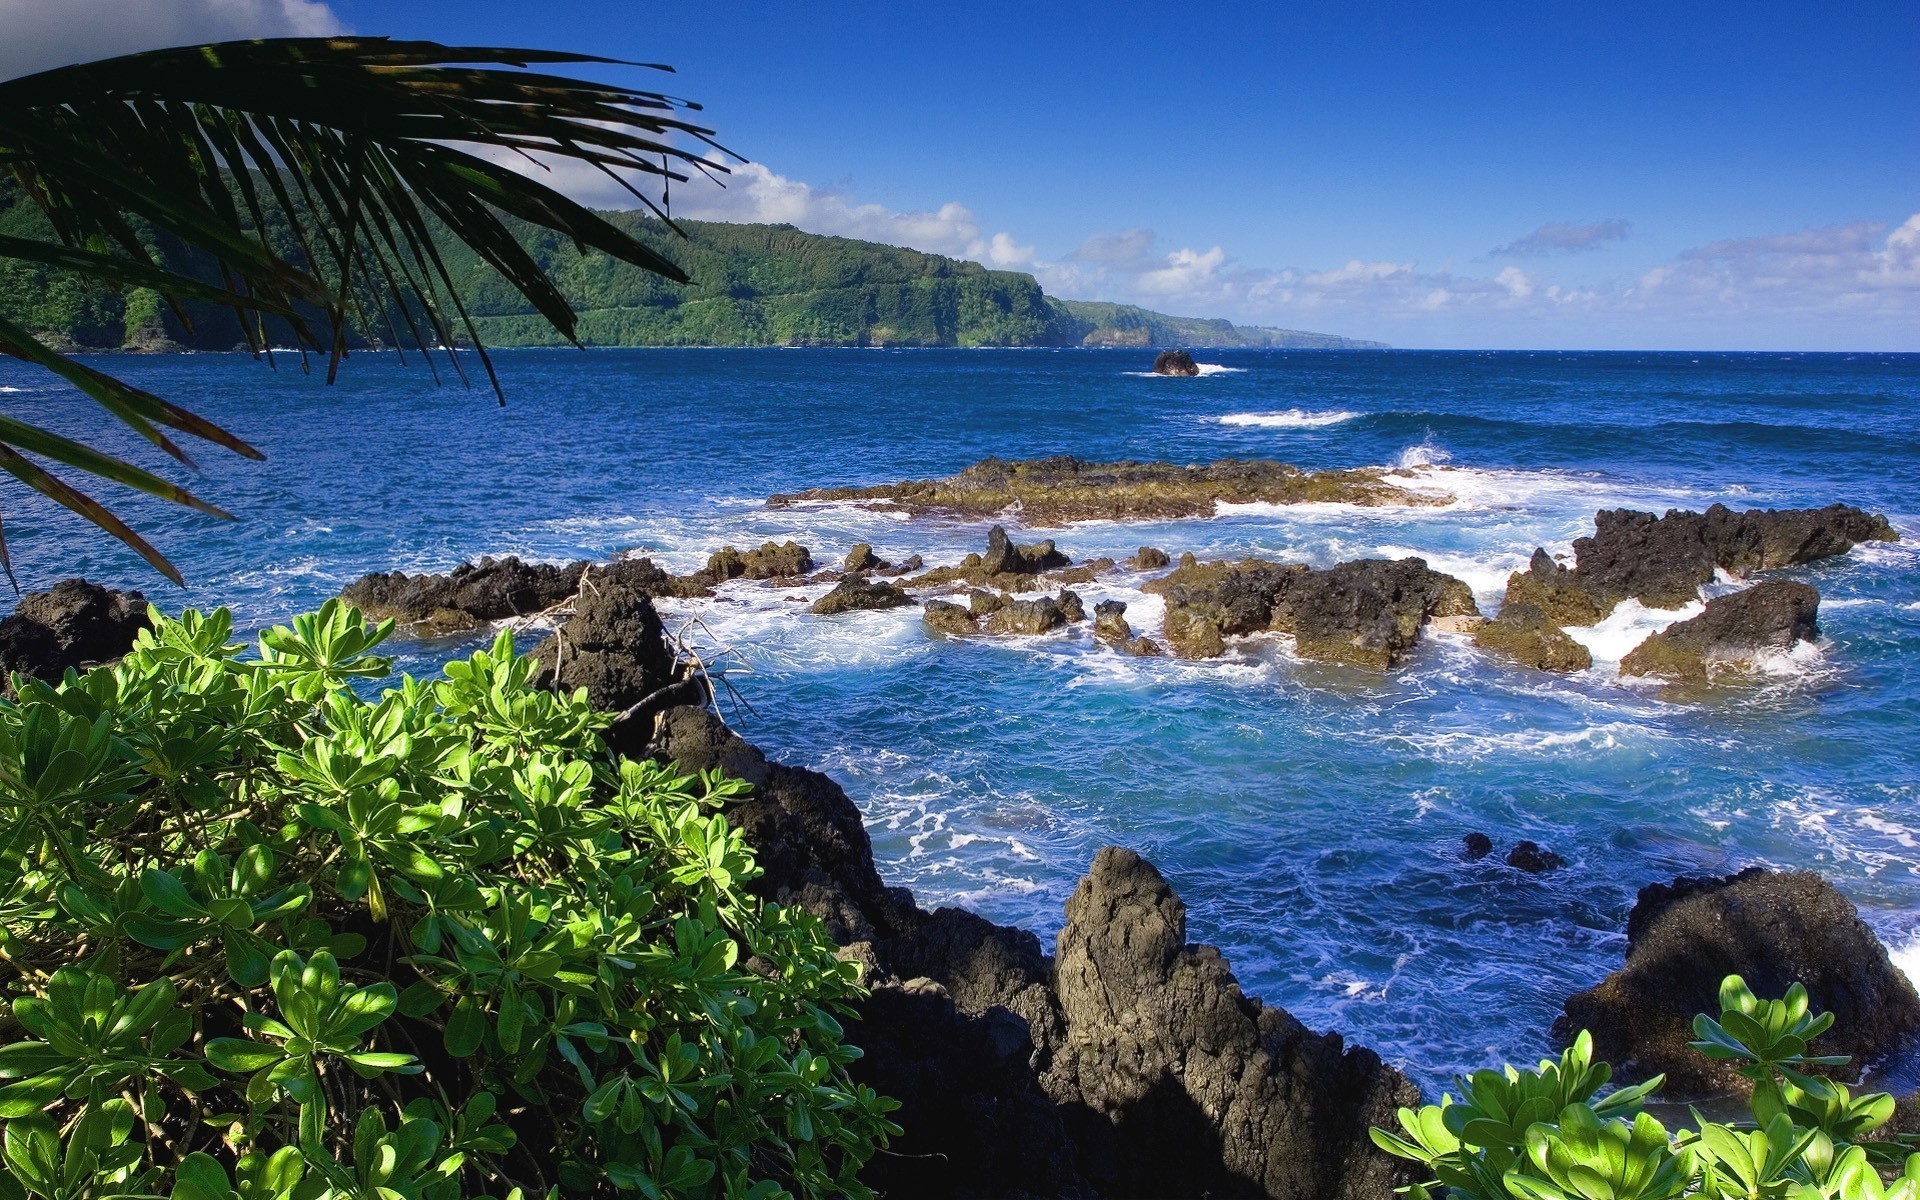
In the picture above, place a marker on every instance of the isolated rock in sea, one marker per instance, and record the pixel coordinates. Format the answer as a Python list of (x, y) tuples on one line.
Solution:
[(944, 616), (73, 624), (1175, 362), (1005, 558), (1733, 629), (1027, 616), (1523, 633), (1533, 858), (1071, 606), (1368, 612), (1475, 846), (1110, 623), (1770, 928), (1203, 1091), (1149, 558), (1063, 489), (862, 558), (492, 589), (857, 592), (772, 560), (1663, 561)]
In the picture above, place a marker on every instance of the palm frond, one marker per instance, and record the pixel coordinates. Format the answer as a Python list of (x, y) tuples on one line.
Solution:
[(308, 172)]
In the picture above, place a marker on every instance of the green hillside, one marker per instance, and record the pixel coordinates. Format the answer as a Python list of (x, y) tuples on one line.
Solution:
[(754, 285)]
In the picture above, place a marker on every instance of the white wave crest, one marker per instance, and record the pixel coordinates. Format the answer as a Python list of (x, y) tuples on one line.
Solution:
[(1292, 418), (1206, 369), (1426, 454), (1629, 624)]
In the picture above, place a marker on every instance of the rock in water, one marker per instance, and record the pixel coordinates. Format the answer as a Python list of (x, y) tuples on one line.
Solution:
[(857, 592), (1369, 613), (1110, 623), (74, 624), (1663, 561), (1772, 929), (1150, 558), (1533, 858), (1769, 616), (944, 616), (1027, 616), (773, 560), (1193, 635), (489, 590), (1475, 846), (1175, 362), (1005, 558), (862, 558), (1204, 1091), (1064, 489), (1523, 632)]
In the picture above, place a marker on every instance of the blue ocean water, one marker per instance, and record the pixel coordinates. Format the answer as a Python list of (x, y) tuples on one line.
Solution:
[(1309, 815)]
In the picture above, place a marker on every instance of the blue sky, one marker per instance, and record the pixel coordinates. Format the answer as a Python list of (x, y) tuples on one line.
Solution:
[(1674, 175)]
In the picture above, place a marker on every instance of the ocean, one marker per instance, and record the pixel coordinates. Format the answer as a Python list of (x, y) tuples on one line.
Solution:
[(1309, 815)]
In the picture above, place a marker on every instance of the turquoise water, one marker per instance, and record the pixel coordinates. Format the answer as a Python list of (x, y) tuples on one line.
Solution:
[(1309, 815)]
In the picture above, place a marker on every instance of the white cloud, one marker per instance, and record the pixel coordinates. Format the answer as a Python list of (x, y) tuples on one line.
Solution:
[(40, 34)]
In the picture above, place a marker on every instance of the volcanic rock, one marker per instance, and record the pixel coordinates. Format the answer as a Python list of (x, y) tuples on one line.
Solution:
[(1110, 623), (773, 560), (1175, 362), (489, 590), (1193, 635), (1523, 633), (1005, 558), (862, 558), (1149, 558), (1063, 489), (615, 646), (1475, 846), (75, 624), (1071, 606), (1772, 929), (857, 592), (1768, 616), (1203, 1091), (1533, 858), (1028, 616), (983, 603), (1086, 572), (1143, 647), (1663, 561), (944, 616)]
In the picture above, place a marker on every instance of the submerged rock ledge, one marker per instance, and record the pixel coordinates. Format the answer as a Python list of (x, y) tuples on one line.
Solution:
[(1063, 489)]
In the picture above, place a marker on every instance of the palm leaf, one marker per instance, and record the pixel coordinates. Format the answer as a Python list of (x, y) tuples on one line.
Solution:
[(353, 147)]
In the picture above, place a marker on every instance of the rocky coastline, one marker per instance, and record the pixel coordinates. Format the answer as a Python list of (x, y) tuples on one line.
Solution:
[(1127, 1063)]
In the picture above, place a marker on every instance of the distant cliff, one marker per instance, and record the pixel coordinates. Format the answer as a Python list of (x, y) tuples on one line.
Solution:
[(754, 285)]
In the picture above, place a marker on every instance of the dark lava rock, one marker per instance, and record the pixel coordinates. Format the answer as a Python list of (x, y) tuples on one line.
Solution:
[(1367, 613), (1475, 846), (1027, 616), (862, 558), (643, 575), (944, 616), (1202, 1090), (1005, 558), (1175, 362), (1086, 572), (615, 646), (1730, 632), (1770, 928), (1110, 623), (74, 624), (1071, 606), (1143, 647), (1523, 633), (492, 589), (773, 560), (983, 603), (1063, 489), (1533, 858), (1663, 561), (1149, 558), (856, 592)]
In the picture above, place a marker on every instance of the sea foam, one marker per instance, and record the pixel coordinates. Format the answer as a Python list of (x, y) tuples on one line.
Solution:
[(1292, 418)]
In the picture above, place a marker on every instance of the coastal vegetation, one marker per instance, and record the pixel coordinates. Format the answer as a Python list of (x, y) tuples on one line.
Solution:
[(1548, 1133), (269, 935)]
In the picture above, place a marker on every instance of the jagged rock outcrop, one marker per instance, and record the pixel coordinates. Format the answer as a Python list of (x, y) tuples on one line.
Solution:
[(1027, 616), (73, 624), (1533, 858), (1062, 489), (1175, 362), (1523, 633), (1770, 928), (944, 616), (1110, 623), (1732, 630), (771, 560), (1204, 1090), (1149, 558), (1368, 612), (862, 558), (1144, 1072), (615, 646), (1663, 561), (492, 589), (857, 593), (1005, 558)]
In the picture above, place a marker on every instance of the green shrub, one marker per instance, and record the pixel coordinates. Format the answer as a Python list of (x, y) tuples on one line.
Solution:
[(264, 936), (1542, 1135)]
